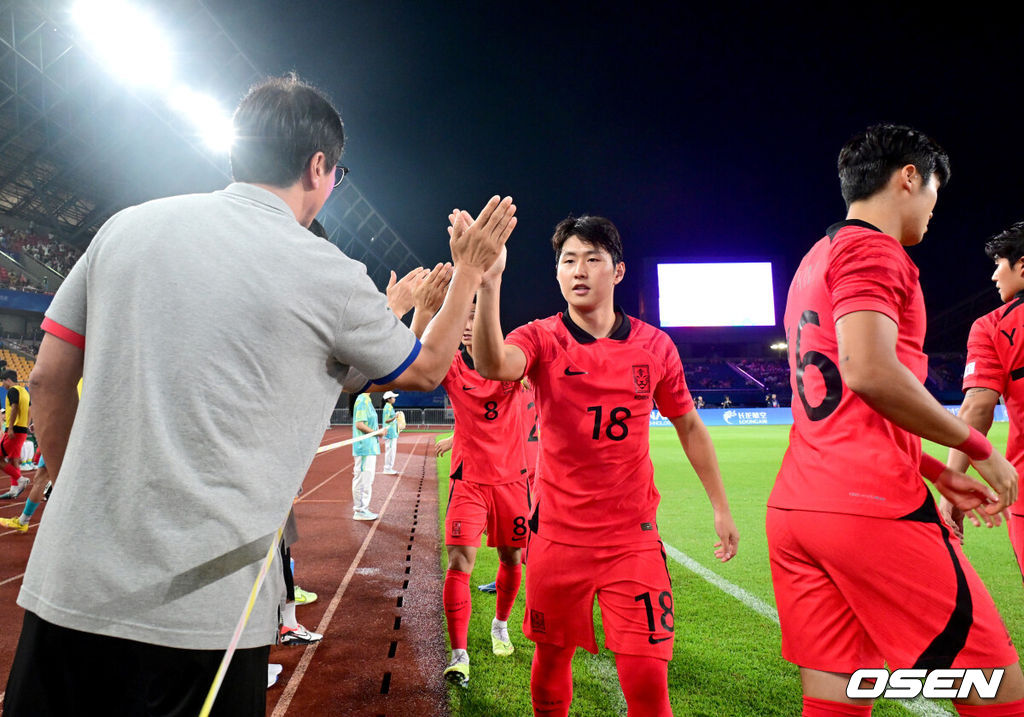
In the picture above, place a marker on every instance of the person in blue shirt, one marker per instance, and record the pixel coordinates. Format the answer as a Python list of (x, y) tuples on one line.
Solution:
[(365, 452), (391, 435)]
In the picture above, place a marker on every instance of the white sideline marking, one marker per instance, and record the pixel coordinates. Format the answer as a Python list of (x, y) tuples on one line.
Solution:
[(918, 706), (307, 654)]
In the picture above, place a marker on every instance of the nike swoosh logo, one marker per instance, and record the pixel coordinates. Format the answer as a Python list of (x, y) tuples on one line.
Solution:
[(570, 372), (468, 388), (651, 639)]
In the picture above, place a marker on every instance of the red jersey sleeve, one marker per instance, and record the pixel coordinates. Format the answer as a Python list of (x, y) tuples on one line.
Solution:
[(983, 369), (530, 340), (869, 271), (671, 395)]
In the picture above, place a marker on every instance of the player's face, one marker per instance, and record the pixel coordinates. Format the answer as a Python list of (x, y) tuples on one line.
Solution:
[(467, 330), (1009, 279), (922, 204), (586, 274)]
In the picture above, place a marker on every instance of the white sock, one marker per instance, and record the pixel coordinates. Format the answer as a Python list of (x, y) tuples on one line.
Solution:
[(24, 519), (288, 618), (459, 656)]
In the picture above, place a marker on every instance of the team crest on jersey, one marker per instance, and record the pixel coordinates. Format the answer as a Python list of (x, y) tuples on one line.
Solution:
[(508, 386), (456, 528), (537, 621), (642, 380)]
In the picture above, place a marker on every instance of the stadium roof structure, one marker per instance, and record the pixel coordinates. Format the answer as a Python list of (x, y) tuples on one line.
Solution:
[(76, 146)]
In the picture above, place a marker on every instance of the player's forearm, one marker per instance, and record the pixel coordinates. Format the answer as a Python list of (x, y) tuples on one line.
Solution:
[(420, 320), (490, 354), (977, 411), (700, 451), (442, 335)]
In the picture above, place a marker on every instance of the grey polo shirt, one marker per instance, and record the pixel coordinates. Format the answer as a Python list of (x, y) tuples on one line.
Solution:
[(218, 334)]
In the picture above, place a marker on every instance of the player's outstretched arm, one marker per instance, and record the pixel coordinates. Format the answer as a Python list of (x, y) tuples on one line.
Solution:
[(977, 410), (700, 451), (871, 369), (474, 246), (493, 358), (54, 389)]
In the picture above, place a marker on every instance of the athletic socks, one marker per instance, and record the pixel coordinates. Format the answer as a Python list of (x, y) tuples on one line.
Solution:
[(644, 683), (26, 514), (288, 618), (13, 472), (814, 707), (457, 607), (1006, 709), (551, 680), (507, 584)]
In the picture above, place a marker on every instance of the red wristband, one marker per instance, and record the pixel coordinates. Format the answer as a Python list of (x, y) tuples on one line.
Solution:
[(931, 467), (977, 447)]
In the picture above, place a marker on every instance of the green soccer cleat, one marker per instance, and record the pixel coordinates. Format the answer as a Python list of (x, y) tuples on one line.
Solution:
[(304, 597), (14, 524), (501, 645), (457, 673)]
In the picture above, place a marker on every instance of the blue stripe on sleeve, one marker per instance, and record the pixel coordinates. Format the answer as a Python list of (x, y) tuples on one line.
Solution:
[(404, 365)]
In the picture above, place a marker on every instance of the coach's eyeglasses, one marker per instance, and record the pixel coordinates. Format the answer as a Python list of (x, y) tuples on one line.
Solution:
[(340, 172)]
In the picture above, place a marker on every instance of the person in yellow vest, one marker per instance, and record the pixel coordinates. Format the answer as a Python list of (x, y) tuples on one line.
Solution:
[(16, 413)]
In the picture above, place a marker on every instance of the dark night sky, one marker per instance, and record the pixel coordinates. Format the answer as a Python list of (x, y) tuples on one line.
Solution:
[(702, 131)]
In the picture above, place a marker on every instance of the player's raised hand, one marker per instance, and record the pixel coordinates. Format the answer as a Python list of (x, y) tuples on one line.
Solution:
[(728, 536), (1002, 476), (400, 293), (495, 270), (476, 243), (430, 293)]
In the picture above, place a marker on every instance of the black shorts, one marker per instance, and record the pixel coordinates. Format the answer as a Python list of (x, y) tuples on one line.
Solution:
[(58, 671)]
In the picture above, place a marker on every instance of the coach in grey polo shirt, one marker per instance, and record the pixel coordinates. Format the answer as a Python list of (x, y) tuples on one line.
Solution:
[(217, 332)]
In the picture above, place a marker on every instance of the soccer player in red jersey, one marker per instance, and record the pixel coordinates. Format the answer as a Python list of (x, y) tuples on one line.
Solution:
[(487, 490), (864, 570), (995, 367), (597, 374)]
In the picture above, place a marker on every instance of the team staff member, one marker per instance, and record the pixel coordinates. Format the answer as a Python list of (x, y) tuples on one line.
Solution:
[(192, 491), (995, 358), (597, 375), (16, 412), (390, 418), (364, 453), (851, 476), (488, 491)]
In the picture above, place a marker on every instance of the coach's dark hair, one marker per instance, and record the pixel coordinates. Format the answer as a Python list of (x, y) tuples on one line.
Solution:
[(279, 125), (1007, 244), (9, 374), (868, 160), (594, 230)]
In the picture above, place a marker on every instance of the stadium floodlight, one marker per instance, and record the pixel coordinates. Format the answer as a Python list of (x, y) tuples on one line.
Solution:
[(780, 346), (206, 115), (127, 40)]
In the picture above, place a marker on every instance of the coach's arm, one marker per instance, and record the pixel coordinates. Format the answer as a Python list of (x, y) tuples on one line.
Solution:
[(871, 369), (53, 386), (475, 246)]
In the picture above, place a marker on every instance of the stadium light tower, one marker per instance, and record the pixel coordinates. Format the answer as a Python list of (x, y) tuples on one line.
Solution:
[(212, 123), (127, 40)]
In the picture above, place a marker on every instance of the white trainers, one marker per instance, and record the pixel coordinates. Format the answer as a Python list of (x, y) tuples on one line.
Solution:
[(298, 635), (17, 490), (273, 670), (364, 515)]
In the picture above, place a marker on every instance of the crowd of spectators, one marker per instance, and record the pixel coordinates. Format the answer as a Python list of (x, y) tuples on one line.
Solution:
[(773, 373), (18, 281), (44, 247)]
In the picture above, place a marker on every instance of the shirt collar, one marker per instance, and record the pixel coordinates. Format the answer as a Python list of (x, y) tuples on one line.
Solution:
[(834, 229), (621, 332), (260, 195)]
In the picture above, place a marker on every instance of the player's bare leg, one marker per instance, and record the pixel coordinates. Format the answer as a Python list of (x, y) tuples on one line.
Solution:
[(458, 606), (644, 682), (829, 688), (1011, 690), (510, 575), (35, 497)]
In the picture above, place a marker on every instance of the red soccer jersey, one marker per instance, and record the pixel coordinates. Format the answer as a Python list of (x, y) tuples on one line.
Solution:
[(488, 445), (843, 456), (995, 360), (595, 480), (531, 424)]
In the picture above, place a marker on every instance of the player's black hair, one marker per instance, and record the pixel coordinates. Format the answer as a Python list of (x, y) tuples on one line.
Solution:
[(9, 374), (1007, 244), (598, 231), (279, 125), (870, 157)]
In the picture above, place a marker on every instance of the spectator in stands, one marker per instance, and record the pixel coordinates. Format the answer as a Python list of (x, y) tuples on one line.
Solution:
[(727, 403), (207, 478)]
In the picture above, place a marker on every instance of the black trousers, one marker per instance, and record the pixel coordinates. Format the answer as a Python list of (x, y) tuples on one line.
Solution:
[(62, 672)]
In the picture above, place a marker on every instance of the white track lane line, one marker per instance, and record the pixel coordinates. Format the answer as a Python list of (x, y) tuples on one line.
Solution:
[(307, 655), (918, 706)]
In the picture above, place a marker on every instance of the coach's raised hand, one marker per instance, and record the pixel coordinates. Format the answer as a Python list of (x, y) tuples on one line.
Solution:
[(475, 244)]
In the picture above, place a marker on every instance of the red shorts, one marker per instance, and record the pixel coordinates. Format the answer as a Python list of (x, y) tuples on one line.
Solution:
[(632, 585), (500, 509), (12, 444), (1016, 528), (854, 591)]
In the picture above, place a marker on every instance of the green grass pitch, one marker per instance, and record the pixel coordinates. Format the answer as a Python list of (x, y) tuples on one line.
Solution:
[(727, 656)]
